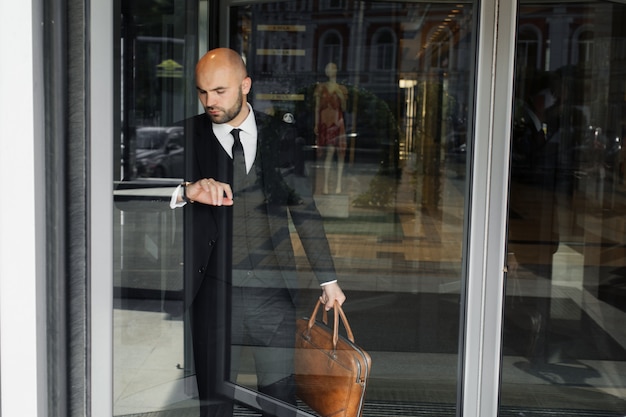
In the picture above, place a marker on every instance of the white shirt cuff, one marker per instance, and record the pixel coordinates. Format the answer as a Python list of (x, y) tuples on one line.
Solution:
[(329, 282), (174, 203)]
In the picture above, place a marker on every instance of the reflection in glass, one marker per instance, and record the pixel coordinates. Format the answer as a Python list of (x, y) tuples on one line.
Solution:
[(379, 134), (391, 193), (151, 362), (564, 341)]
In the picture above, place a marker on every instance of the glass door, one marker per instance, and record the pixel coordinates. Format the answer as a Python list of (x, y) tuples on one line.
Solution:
[(158, 47), (373, 102), (393, 79), (564, 342)]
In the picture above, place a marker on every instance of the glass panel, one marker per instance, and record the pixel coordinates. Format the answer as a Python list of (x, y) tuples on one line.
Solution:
[(156, 58), (373, 98), (371, 103), (564, 342)]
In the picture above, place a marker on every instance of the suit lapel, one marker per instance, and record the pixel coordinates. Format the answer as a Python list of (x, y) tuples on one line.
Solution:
[(213, 160)]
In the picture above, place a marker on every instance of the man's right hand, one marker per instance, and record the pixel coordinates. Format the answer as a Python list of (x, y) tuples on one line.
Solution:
[(209, 191)]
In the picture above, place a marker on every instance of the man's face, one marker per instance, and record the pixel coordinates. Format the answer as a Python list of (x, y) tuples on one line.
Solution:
[(219, 113), (221, 93)]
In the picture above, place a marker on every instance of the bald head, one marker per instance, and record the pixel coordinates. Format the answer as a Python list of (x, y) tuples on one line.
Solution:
[(222, 59), (223, 85)]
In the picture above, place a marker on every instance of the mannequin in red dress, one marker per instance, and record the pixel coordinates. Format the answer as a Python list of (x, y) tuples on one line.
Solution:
[(330, 129)]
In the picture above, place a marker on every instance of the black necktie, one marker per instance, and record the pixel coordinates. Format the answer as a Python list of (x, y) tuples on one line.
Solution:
[(239, 161)]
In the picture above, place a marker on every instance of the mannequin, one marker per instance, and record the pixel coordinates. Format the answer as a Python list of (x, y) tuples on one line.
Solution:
[(330, 129)]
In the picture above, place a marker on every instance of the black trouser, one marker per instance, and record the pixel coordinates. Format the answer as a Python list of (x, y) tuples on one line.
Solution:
[(209, 328), (265, 320), (262, 318)]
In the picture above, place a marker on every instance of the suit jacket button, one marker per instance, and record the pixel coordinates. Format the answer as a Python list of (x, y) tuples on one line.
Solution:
[(201, 270), (211, 242)]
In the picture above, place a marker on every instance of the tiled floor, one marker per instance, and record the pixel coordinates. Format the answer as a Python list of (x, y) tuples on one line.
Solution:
[(405, 250), (149, 357)]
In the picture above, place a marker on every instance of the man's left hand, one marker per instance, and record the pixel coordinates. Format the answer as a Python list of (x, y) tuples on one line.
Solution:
[(330, 294)]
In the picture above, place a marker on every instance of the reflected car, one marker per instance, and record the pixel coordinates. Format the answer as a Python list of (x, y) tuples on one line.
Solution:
[(160, 152)]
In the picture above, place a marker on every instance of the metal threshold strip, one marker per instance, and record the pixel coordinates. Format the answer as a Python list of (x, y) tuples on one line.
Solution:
[(388, 408)]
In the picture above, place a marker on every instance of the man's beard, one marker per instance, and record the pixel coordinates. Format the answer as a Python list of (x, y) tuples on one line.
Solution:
[(227, 114)]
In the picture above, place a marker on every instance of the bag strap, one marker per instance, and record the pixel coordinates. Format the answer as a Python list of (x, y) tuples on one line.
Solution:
[(338, 313)]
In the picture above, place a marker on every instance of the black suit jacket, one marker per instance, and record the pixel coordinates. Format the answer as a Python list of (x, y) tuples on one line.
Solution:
[(284, 192)]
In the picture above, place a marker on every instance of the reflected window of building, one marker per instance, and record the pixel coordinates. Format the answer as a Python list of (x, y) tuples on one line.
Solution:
[(582, 52), (330, 50), (439, 48), (384, 50), (332, 4), (528, 52)]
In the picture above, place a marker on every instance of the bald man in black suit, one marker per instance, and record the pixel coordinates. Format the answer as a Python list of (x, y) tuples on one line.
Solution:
[(241, 201)]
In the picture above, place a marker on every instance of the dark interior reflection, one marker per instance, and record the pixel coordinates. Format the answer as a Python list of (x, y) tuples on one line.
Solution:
[(565, 258)]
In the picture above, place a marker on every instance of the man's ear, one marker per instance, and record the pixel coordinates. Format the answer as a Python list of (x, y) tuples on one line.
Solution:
[(245, 85)]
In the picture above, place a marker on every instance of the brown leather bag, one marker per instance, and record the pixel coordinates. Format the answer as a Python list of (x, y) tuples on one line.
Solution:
[(331, 370)]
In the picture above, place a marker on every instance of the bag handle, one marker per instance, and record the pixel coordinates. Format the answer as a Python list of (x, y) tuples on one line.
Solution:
[(338, 313)]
